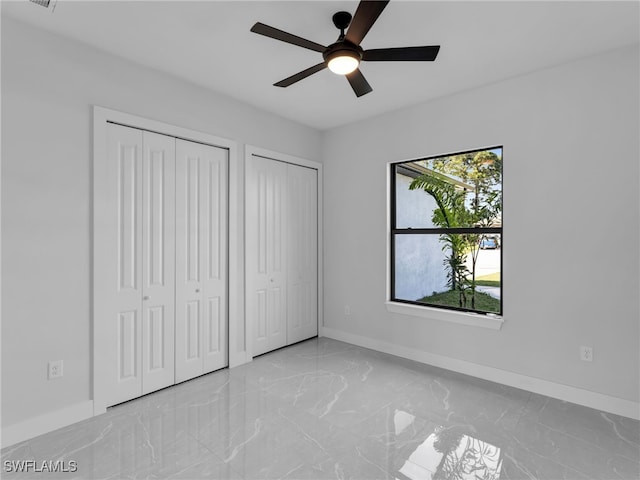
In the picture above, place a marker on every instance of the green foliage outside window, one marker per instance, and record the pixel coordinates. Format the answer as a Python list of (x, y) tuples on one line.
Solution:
[(476, 204)]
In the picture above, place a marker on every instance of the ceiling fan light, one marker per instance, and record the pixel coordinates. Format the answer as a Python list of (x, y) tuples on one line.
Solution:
[(343, 64)]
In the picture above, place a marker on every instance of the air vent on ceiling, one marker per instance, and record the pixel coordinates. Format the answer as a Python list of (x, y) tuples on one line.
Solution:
[(49, 4)]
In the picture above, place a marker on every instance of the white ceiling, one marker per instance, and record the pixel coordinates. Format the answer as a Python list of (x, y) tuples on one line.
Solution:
[(209, 43)]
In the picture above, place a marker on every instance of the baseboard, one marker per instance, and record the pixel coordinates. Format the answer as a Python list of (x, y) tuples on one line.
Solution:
[(598, 401), (48, 422), (16, 433)]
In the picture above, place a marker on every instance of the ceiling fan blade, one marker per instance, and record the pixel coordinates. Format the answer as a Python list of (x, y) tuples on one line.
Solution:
[(402, 54), (366, 15), (271, 32), (358, 83), (300, 75)]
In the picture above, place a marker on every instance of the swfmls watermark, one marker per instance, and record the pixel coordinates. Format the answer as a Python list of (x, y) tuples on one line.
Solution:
[(45, 466)]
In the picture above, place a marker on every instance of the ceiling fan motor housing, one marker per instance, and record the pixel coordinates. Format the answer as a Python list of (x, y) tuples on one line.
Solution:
[(342, 48)]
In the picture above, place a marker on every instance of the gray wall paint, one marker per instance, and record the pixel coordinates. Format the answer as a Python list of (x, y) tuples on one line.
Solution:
[(48, 87), (570, 137)]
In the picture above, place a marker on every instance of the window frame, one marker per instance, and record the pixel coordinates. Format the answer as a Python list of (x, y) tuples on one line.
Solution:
[(455, 314)]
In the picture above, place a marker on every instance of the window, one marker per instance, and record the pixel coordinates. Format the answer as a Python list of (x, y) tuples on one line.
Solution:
[(446, 231)]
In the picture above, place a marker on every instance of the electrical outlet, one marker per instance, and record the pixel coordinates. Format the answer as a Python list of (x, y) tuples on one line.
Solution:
[(55, 369), (347, 310), (586, 354)]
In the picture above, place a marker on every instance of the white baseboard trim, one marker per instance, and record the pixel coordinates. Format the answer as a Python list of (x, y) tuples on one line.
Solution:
[(598, 401), (45, 423)]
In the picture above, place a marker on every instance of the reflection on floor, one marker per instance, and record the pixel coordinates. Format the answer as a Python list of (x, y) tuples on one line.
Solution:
[(326, 409), (449, 453)]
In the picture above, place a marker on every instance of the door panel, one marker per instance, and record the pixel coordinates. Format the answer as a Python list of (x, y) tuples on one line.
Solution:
[(265, 228), (213, 326), (192, 215), (201, 253), (213, 237), (124, 296), (128, 185), (192, 321), (155, 340), (260, 311), (128, 346), (158, 273), (188, 285), (302, 272)]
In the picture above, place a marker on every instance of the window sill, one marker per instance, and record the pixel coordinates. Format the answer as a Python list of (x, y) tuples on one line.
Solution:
[(491, 321)]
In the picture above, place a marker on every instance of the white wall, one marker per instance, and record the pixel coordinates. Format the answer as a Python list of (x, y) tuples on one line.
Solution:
[(571, 209), (48, 87)]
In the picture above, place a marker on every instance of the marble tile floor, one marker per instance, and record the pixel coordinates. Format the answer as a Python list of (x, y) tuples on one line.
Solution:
[(324, 409)]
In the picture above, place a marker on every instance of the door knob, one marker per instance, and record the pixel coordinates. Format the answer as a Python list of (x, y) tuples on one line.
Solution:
[(146, 297), (197, 290)]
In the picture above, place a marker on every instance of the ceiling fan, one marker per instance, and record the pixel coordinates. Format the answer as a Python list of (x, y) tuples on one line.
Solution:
[(344, 56)]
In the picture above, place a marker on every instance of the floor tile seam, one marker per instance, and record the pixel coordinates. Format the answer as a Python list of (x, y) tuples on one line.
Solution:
[(273, 381), (61, 455), (516, 411), (310, 437), (549, 459), (212, 454), (353, 428), (31, 443), (617, 436), (523, 410), (286, 475), (384, 470), (537, 412), (330, 354), (582, 440), (218, 396), (527, 410), (511, 399), (403, 443), (518, 466)]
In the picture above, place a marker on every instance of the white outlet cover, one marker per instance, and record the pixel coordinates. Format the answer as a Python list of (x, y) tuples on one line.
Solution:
[(55, 369), (586, 354)]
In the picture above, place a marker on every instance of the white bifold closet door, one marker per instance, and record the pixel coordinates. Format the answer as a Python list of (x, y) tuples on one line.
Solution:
[(201, 259), (161, 288), (281, 253), (302, 253), (140, 298)]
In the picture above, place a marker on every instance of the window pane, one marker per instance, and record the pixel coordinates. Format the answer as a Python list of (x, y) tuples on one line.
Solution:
[(414, 208), (440, 269), (462, 190), (488, 269), (418, 266)]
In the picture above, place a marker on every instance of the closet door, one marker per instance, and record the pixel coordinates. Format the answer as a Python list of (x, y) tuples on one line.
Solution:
[(122, 287), (201, 259), (158, 261), (266, 252), (139, 282), (302, 253)]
